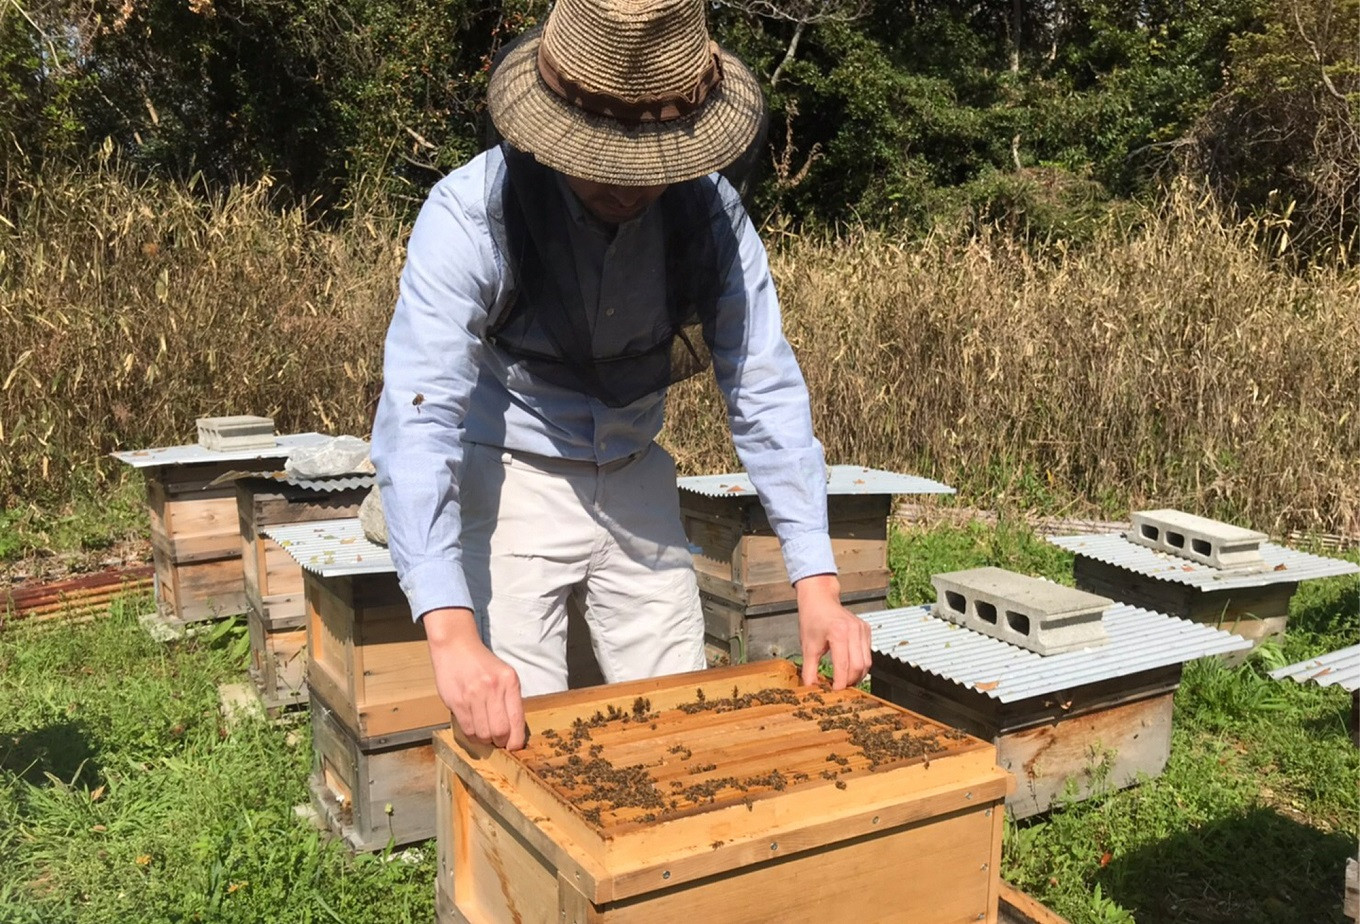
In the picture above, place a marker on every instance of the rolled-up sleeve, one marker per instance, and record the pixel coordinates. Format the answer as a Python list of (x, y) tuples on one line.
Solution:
[(769, 411), (429, 368)]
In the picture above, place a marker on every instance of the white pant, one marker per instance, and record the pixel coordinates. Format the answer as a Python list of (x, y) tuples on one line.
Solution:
[(538, 530)]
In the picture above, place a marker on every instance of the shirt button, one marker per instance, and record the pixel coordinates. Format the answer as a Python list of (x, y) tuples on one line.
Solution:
[(603, 445), (609, 312)]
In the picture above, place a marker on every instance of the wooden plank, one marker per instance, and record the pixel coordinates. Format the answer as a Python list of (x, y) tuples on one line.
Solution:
[(204, 590), (778, 595), (1018, 908)]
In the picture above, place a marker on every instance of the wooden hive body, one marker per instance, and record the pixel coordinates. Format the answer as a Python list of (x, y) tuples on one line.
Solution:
[(196, 540), (374, 791), (1255, 613), (366, 657), (750, 608), (277, 614), (793, 799), (1100, 735)]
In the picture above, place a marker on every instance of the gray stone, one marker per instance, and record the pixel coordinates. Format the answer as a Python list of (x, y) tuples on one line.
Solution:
[(371, 518), (1044, 617), (239, 432), (1199, 539)]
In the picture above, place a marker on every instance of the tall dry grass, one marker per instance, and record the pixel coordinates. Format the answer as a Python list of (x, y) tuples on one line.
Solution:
[(128, 309), (1172, 365)]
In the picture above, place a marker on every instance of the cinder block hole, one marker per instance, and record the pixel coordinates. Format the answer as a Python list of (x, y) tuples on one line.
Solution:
[(1176, 539), (1201, 546), (1017, 621), (1149, 531), (955, 602), (986, 612)]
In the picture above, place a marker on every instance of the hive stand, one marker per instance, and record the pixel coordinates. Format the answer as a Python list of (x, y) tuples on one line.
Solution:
[(1067, 724), (762, 788), (750, 608), (1210, 572), (195, 530)]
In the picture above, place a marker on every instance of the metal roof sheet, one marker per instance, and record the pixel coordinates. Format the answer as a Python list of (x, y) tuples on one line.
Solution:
[(332, 548), (1139, 640), (1280, 564), (329, 483), (187, 455), (333, 483), (1339, 668), (841, 479)]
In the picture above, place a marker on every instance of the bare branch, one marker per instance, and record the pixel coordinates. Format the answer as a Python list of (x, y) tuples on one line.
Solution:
[(803, 12), (788, 55), (1317, 56)]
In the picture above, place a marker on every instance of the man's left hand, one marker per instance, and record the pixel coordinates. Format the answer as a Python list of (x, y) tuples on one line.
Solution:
[(826, 626)]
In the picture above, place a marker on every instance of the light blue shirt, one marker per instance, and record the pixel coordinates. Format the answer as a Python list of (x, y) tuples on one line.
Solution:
[(445, 385)]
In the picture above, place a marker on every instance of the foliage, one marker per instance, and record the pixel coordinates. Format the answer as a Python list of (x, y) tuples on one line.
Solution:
[(1283, 137), (887, 114)]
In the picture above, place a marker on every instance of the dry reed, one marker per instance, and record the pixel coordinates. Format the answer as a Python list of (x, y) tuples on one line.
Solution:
[(1173, 365)]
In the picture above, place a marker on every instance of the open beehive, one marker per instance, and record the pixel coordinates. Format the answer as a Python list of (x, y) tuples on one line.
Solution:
[(704, 796)]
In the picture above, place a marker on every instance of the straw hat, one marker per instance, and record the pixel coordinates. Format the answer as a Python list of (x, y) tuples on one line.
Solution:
[(630, 92)]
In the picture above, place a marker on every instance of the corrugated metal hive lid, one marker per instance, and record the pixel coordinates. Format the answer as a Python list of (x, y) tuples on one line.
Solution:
[(187, 455), (842, 479), (1280, 564), (330, 483), (332, 548), (1139, 640), (1339, 668)]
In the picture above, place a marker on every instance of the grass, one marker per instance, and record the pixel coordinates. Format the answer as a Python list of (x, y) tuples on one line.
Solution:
[(1258, 808), (87, 525), (124, 796)]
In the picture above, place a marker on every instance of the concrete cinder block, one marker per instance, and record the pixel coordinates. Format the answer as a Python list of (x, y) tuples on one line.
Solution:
[(1044, 617), (239, 432), (1209, 542)]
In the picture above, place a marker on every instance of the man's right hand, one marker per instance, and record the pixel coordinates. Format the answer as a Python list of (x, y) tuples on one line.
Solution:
[(480, 689)]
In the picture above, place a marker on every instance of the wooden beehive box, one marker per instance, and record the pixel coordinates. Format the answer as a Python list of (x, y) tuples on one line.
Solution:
[(366, 658), (373, 791), (1067, 724), (195, 542), (195, 530), (277, 614), (737, 556), (707, 796), (750, 608)]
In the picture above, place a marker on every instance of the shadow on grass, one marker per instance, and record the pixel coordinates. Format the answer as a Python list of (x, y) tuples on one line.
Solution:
[(63, 750), (1259, 868)]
